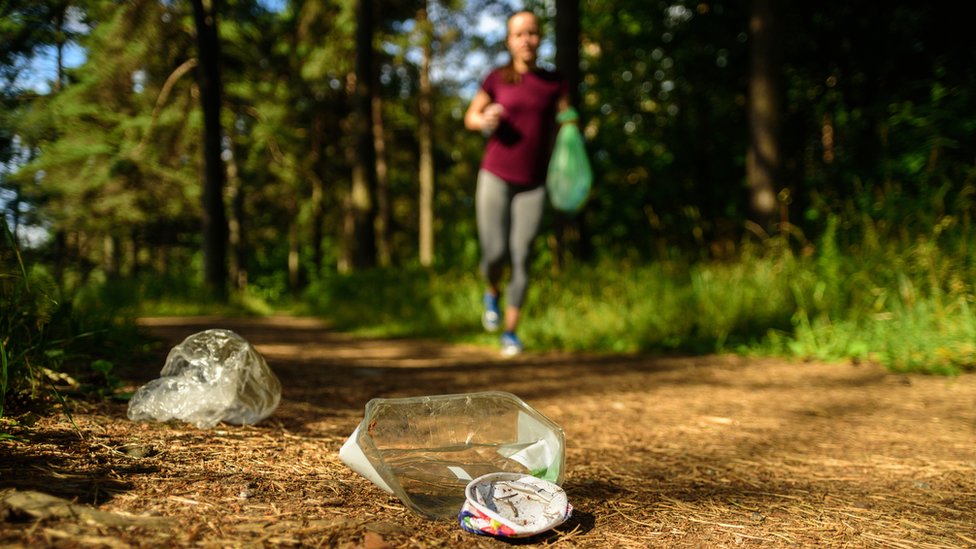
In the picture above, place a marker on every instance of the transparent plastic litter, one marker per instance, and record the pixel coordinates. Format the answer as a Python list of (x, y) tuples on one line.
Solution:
[(212, 376), (425, 450)]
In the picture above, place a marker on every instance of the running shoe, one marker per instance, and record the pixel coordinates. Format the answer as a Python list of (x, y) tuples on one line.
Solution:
[(511, 345), (491, 318)]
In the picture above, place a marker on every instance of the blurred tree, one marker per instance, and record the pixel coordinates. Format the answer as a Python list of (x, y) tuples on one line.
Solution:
[(763, 156), (29, 27), (98, 188), (569, 231), (28, 30), (359, 228), (424, 137), (874, 119), (384, 251), (211, 100)]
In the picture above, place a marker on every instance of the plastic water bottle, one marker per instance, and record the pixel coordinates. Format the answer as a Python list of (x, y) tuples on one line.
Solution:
[(425, 450)]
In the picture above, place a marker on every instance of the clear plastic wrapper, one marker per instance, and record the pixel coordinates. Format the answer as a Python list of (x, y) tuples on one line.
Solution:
[(212, 376), (425, 450)]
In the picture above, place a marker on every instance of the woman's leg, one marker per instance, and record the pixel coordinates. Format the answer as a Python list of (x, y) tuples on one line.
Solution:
[(492, 199), (527, 209)]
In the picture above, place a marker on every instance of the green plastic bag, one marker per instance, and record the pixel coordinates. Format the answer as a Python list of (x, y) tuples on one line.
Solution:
[(570, 177)]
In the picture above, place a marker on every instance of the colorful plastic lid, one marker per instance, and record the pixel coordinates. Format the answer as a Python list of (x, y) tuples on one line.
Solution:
[(513, 505)]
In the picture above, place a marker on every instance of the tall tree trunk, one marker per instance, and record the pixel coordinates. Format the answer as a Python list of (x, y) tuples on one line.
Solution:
[(362, 201), (214, 217), (569, 230), (110, 257), (131, 258), (384, 248), (294, 244), (425, 131), (567, 45), (318, 190), (235, 195), (763, 157), (59, 46)]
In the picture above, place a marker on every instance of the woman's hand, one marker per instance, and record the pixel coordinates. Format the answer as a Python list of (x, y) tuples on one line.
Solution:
[(491, 117), (483, 114)]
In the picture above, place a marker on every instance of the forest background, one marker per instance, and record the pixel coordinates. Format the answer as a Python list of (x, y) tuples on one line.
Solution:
[(795, 180)]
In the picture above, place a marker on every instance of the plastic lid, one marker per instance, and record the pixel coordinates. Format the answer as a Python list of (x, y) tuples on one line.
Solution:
[(511, 505)]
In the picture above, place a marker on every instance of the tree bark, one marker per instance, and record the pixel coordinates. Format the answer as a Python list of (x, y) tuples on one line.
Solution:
[(214, 217), (59, 17), (362, 201), (294, 244), (236, 239), (567, 45), (424, 133), (763, 156), (384, 248), (569, 231), (318, 171)]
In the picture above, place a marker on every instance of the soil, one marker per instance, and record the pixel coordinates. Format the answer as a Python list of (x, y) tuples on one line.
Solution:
[(702, 451)]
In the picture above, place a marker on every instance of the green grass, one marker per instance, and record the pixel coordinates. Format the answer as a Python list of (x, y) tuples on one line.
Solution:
[(155, 295), (908, 307), (608, 308), (49, 338), (857, 294)]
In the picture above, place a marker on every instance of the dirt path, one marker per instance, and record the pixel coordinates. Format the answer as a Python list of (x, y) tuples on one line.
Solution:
[(661, 452)]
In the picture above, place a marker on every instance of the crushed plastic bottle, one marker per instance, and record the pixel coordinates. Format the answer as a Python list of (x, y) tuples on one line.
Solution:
[(212, 376), (425, 450)]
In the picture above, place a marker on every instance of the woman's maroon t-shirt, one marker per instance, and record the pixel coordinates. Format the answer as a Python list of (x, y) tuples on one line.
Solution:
[(518, 151)]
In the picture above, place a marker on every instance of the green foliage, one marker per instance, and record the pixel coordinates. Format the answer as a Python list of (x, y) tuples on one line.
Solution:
[(4, 374), (873, 260), (406, 302), (108, 379), (905, 305), (115, 153), (28, 303), (151, 294), (905, 302), (49, 342)]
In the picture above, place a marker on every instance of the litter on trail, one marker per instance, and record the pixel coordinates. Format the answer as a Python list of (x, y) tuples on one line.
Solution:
[(427, 450), (509, 505), (212, 376)]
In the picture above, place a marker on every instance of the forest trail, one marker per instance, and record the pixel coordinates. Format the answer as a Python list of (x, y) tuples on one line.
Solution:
[(704, 451)]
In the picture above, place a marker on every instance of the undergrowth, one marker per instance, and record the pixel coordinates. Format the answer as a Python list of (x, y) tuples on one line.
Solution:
[(906, 306), (53, 344), (860, 292)]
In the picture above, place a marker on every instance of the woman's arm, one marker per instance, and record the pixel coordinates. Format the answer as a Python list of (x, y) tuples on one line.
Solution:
[(482, 114)]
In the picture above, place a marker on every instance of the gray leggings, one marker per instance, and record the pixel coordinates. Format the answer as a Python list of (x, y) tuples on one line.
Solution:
[(508, 221)]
